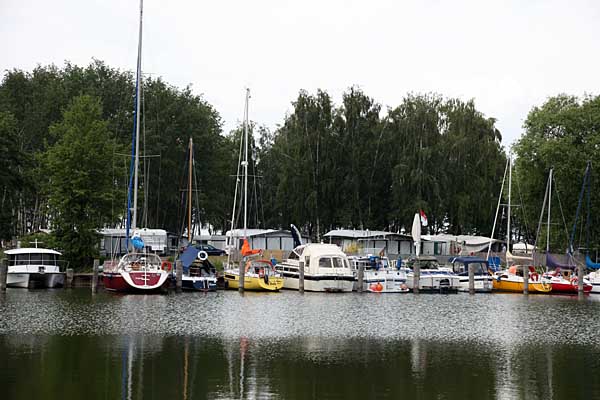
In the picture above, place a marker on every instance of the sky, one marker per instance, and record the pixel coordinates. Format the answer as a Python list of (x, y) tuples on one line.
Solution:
[(508, 56)]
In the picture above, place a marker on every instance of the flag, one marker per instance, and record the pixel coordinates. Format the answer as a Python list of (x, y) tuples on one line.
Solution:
[(423, 218)]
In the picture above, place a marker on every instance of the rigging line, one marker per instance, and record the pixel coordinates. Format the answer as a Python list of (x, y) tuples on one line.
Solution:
[(233, 219), (498, 207), (523, 210), (197, 196), (561, 210), (539, 228)]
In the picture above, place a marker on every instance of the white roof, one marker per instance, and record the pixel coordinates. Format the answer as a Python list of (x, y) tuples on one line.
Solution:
[(31, 250), (358, 234), (311, 249), (255, 232), (469, 240), (139, 231)]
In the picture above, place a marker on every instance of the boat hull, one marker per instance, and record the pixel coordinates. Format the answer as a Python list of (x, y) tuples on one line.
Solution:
[(320, 283), (510, 285), (199, 283), (483, 283), (384, 282), (435, 283), (35, 280), (569, 288), (135, 281), (255, 283)]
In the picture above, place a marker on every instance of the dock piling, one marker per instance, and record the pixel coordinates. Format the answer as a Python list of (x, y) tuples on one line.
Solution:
[(360, 277), (525, 281), (301, 277), (3, 274), (580, 278), (242, 274), (178, 276), (95, 276), (70, 274), (471, 278), (416, 276)]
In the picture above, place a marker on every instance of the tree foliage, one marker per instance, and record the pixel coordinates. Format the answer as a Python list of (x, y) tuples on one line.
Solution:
[(562, 134)]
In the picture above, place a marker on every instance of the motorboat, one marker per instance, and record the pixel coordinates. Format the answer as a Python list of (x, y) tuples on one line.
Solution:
[(326, 268), (378, 276), (34, 268), (482, 278), (198, 273), (433, 276), (259, 274), (137, 272)]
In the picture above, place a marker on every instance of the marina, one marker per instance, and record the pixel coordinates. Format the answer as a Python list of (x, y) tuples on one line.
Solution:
[(213, 345)]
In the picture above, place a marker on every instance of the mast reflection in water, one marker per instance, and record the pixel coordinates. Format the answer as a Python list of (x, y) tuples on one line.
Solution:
[(68, 344)]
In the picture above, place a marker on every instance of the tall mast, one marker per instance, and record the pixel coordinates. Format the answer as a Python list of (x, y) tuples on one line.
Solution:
[(190, 192), (549, 204), (245, 164), (138, 92), (509, 193)]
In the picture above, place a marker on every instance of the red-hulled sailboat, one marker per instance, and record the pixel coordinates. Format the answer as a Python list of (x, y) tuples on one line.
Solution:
[(137, 271)]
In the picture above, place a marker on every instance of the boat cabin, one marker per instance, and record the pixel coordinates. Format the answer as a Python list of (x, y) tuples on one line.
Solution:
[(36, 259), (460, 265)]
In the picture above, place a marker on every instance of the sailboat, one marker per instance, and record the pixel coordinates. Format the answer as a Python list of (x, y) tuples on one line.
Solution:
[(138, 270), (512, 278), (562, 277), (198, 272), (259, 274)]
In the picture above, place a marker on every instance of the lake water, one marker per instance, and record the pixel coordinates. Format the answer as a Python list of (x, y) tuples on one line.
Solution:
[(70, 344)]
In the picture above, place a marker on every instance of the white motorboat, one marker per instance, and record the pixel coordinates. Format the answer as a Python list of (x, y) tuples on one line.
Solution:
[(484, 281), (379, 275), (433, 277), (326, 268), (33, 268)]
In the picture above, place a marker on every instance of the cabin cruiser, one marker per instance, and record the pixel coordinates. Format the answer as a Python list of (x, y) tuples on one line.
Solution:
[(379, 275), (433, 277), (34, 268), (326, 268), (482, 277)]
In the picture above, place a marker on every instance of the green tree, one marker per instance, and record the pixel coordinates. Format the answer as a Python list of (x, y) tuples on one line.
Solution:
[(81, 188)]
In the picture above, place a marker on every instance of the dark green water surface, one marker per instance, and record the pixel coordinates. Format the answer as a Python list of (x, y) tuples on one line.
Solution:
[(70, 344)]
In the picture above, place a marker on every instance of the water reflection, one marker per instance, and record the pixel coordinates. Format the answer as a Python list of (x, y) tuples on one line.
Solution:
[(286, 346)]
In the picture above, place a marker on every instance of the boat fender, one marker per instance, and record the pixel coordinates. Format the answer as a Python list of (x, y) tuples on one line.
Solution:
[(166, 265), (202, 255)]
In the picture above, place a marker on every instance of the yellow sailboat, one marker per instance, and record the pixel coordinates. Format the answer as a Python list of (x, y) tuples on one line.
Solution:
[(258, 274), (511, 280)]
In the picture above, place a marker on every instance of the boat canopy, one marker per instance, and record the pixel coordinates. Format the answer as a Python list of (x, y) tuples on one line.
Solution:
[(553, 263)]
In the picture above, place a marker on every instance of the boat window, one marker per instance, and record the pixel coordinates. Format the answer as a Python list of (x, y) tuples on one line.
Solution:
[(324, 262), (49, 259), (36, 258), (22, 259), (306, 262), (338, 262)]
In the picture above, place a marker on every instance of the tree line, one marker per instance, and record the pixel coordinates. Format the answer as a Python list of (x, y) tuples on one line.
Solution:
[(65, 139)]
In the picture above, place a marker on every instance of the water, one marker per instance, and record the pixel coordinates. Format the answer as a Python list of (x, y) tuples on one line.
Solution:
[(70, 344)]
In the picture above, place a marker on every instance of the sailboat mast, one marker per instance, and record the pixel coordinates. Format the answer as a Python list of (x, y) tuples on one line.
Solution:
[(138, 91), (549, 204), (190, 192), (245, 164), (509, 193)]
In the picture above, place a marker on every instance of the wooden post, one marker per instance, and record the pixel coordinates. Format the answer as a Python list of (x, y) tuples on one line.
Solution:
[(3, 274), (178, 276), (301, 276), (580, 278), (360, 277), (242, 274), (95, 276), (69, 275), (471, 278), (525, 280), (416, 276)]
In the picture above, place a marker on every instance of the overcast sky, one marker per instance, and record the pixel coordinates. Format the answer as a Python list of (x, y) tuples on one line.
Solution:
[(507, 55)]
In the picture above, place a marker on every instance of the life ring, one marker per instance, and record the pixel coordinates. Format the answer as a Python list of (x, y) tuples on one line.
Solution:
[(574, 281), (202, 255), (166, 265)]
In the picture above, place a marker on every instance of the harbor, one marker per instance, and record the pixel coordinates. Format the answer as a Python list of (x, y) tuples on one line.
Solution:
[(56, 344)]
